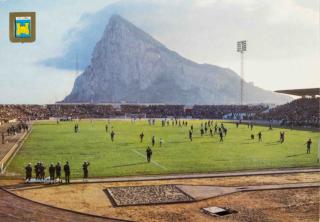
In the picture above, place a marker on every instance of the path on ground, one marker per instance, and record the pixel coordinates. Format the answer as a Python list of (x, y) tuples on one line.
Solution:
[(199, 175), (205, 192), (14, 208)]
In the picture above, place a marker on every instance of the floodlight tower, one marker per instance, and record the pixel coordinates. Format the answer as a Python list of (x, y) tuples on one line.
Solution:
[(242, 47)]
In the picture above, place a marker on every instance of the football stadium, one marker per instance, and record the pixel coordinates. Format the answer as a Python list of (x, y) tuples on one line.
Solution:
[(199, 155), (101, 121), (125, 156)]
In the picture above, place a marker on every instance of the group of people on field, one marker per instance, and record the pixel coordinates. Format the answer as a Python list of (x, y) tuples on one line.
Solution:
[(54, 172), (222, 131), (12, 130), (210, 125)]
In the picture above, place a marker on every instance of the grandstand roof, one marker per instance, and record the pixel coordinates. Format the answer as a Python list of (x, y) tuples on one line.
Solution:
[(301, 92)]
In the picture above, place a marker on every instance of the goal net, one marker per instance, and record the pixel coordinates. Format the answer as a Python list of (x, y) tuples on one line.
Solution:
[(135, 116)]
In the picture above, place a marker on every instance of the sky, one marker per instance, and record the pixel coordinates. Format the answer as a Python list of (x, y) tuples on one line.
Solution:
[(282, 35)]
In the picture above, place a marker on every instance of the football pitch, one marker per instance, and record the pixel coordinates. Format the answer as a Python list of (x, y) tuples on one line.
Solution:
[(50, 142)]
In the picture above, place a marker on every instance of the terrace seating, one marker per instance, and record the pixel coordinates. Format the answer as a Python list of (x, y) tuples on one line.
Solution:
[(300, 112)]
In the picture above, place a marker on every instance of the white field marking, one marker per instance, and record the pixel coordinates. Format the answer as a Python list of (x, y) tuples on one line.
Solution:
[(154, 162)]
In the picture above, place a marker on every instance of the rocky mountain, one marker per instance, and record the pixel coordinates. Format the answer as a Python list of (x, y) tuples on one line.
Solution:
[(128, 65)]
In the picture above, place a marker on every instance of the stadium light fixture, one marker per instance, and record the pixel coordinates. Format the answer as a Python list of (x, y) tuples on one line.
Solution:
[(242, 47)]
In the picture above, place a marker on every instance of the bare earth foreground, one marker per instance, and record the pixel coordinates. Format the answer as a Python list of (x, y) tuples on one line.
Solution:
[(300, 204)]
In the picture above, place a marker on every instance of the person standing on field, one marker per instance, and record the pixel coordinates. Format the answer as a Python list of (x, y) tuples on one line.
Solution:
[(225, 130), (141, 137), (36, 170), (201, 131), (153, 140), (190, 135), (281, 137), (149, 154), (221, 135), (260, 136), (58, 172), (85, 170), (52, 170), (161, 142), (112, 135), (28, 169), (42, 172), (309, 142), (66, 169)]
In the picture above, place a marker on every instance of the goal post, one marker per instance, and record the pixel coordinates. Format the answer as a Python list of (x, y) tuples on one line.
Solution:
[(135, 115)]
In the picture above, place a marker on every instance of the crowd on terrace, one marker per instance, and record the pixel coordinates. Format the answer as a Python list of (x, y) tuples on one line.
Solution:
[(300, 112), (22, 112), (219, 111), (82, 111)]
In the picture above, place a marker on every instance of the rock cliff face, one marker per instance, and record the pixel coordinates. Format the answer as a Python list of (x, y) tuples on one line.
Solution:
[(128, 65)]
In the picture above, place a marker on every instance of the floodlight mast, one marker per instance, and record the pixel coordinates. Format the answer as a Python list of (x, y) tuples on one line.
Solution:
[(242, 47)]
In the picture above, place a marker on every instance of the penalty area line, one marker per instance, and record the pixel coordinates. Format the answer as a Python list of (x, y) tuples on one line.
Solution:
[(152, 161)]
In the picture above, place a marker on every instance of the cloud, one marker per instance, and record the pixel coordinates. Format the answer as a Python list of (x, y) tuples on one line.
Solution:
[(215, 25), (81, 39)]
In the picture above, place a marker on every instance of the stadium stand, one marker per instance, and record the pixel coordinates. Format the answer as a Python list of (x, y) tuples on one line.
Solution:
[(81, 111), (300, 112), (220, 111), (162, 111)]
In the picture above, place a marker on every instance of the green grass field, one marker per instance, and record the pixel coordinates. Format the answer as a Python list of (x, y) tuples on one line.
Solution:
[(51, 142)]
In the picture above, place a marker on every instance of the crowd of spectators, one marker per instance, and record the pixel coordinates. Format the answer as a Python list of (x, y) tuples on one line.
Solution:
[(220, 111), (17, 128), (163, 111), (81, 111), (154, 111), (300, 112), (132, 109), (22, 112), (41, 112)]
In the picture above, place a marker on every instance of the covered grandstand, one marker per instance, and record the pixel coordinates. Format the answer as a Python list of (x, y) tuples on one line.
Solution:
[(310, 92), (302, 112)]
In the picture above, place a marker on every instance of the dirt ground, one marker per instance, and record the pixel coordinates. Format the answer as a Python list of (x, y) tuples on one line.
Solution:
[(276, 205), (5, 181)]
